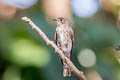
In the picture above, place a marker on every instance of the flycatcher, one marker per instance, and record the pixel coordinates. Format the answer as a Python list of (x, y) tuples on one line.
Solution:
[(64, 37)]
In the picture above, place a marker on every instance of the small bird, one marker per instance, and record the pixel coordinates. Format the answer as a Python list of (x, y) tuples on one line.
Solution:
[(117, 47), (64, 37)]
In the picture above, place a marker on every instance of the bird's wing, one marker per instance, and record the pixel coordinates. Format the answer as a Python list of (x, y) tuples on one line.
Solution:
[(55, 36), (72, 38)]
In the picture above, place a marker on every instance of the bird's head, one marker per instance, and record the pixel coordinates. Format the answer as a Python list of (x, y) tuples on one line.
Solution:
[(61, 21)]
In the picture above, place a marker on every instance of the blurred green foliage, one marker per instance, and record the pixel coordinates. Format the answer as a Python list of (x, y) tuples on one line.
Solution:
[(26, 53)]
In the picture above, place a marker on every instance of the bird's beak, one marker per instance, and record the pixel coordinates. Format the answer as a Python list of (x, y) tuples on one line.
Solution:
[(54, 19)]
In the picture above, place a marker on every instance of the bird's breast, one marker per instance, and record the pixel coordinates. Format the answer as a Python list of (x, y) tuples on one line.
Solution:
[(62, 34)]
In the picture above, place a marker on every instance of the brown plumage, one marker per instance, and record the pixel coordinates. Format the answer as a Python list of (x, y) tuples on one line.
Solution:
[(64, 37)]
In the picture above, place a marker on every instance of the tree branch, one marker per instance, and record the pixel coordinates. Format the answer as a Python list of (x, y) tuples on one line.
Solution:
[(57, 50)]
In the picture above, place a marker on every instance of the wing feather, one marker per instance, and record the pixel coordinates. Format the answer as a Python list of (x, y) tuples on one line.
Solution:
[(72, 38), (55, 36)]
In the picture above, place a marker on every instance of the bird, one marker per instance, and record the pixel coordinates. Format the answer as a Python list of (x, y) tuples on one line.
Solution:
[(117, 47), (64, 37)]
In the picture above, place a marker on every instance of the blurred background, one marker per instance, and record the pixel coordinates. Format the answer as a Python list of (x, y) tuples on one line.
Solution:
[(25, 56)]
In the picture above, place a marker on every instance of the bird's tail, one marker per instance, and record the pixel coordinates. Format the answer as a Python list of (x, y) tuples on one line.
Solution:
[(66, 70)]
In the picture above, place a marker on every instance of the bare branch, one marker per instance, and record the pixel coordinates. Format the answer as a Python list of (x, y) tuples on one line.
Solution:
[(57, 50)]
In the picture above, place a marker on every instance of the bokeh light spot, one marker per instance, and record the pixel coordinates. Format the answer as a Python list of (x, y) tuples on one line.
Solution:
[(85, 8), (21, 3), (87, 58)]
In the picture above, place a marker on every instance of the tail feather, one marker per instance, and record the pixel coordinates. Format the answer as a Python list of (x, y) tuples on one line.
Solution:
[(66, 70)]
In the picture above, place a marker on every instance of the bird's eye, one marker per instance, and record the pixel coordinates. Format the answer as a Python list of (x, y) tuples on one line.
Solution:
[(60, 19)]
